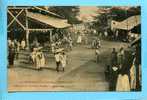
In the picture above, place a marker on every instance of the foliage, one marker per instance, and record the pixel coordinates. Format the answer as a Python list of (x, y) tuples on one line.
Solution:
[(68, 12)]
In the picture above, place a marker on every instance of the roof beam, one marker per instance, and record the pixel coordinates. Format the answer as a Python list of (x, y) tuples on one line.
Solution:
[(48, 12), (48, 29), (16, 20)]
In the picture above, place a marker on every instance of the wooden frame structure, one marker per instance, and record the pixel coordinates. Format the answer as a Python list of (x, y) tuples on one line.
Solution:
[(25, 27)]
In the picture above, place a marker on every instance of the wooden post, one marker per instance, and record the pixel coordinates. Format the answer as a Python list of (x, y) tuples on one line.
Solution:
[(27, 31)]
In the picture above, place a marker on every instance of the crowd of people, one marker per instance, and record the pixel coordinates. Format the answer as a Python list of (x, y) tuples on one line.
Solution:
[(14, 48), (122, 71), (37, 57)]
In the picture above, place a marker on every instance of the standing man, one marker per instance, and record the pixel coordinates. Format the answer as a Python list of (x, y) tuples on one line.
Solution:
[(63, 60), (97, 52), (120, 57), (98, 43), (113, 57), (11, 55), (106, 34), (57, 59), (23, 44)]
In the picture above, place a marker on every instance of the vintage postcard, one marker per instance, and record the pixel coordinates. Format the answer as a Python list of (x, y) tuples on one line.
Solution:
[(74, 48)]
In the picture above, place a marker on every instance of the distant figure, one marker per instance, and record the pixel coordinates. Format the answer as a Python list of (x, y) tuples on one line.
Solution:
[(12, 44), (106, 34), (40, 59), (23, 44), (70, 44), (11, 55), (120, 56), (113, 57), (63, 59), (133, 76), (57, 59), (9, 42), (100, 35), (116, 35), (79, 40), (97, 52), (17, 49), (94, 43), (33, 56), (53, 47), (98, 43)]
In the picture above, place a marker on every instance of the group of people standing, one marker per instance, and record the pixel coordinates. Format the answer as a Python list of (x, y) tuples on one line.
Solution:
[(14, 48), (96, 43), (122, 70), (38, 58), (65, 43)]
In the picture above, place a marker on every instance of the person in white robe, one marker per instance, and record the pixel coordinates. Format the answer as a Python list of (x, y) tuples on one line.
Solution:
[(33, 56), (23, 44), (40, 59), (123, 84), (79, 40), (9, 42), (133, 76)]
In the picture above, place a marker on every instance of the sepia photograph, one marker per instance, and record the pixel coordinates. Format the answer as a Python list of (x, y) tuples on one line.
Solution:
[(74, 48)]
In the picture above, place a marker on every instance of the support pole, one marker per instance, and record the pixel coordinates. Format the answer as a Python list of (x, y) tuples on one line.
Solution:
[(27, 31), (51, 40)]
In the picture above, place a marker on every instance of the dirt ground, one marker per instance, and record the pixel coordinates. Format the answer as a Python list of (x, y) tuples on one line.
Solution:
[(82, 73)]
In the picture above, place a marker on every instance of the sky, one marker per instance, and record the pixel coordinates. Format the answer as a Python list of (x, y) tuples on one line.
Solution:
[(87, 13)]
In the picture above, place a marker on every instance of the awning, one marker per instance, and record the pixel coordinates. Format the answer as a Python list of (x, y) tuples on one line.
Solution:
[(127, 24), (52, 21)]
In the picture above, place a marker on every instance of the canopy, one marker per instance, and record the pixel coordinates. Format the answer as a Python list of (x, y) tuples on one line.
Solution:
[(52, 21), (127, 24)]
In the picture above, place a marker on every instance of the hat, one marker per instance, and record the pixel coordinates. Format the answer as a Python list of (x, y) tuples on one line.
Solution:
[(59, 50)]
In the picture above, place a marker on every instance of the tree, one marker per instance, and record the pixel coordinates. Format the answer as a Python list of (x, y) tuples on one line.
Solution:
[(67, 12), (122, 13), (107, 14), (101, 22)]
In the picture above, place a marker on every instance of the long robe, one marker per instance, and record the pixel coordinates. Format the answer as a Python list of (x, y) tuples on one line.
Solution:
[(123, 83)]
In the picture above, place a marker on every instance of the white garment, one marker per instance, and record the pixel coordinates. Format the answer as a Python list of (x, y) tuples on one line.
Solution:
[(123, 83), (79, 40), (97, 52), (23, 44), (38, 63), (106, 34), (57, 57), (40, 60), (18, 47), (53, 47), (33, 56), (63, 60), (133, 76), (9, 42)]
